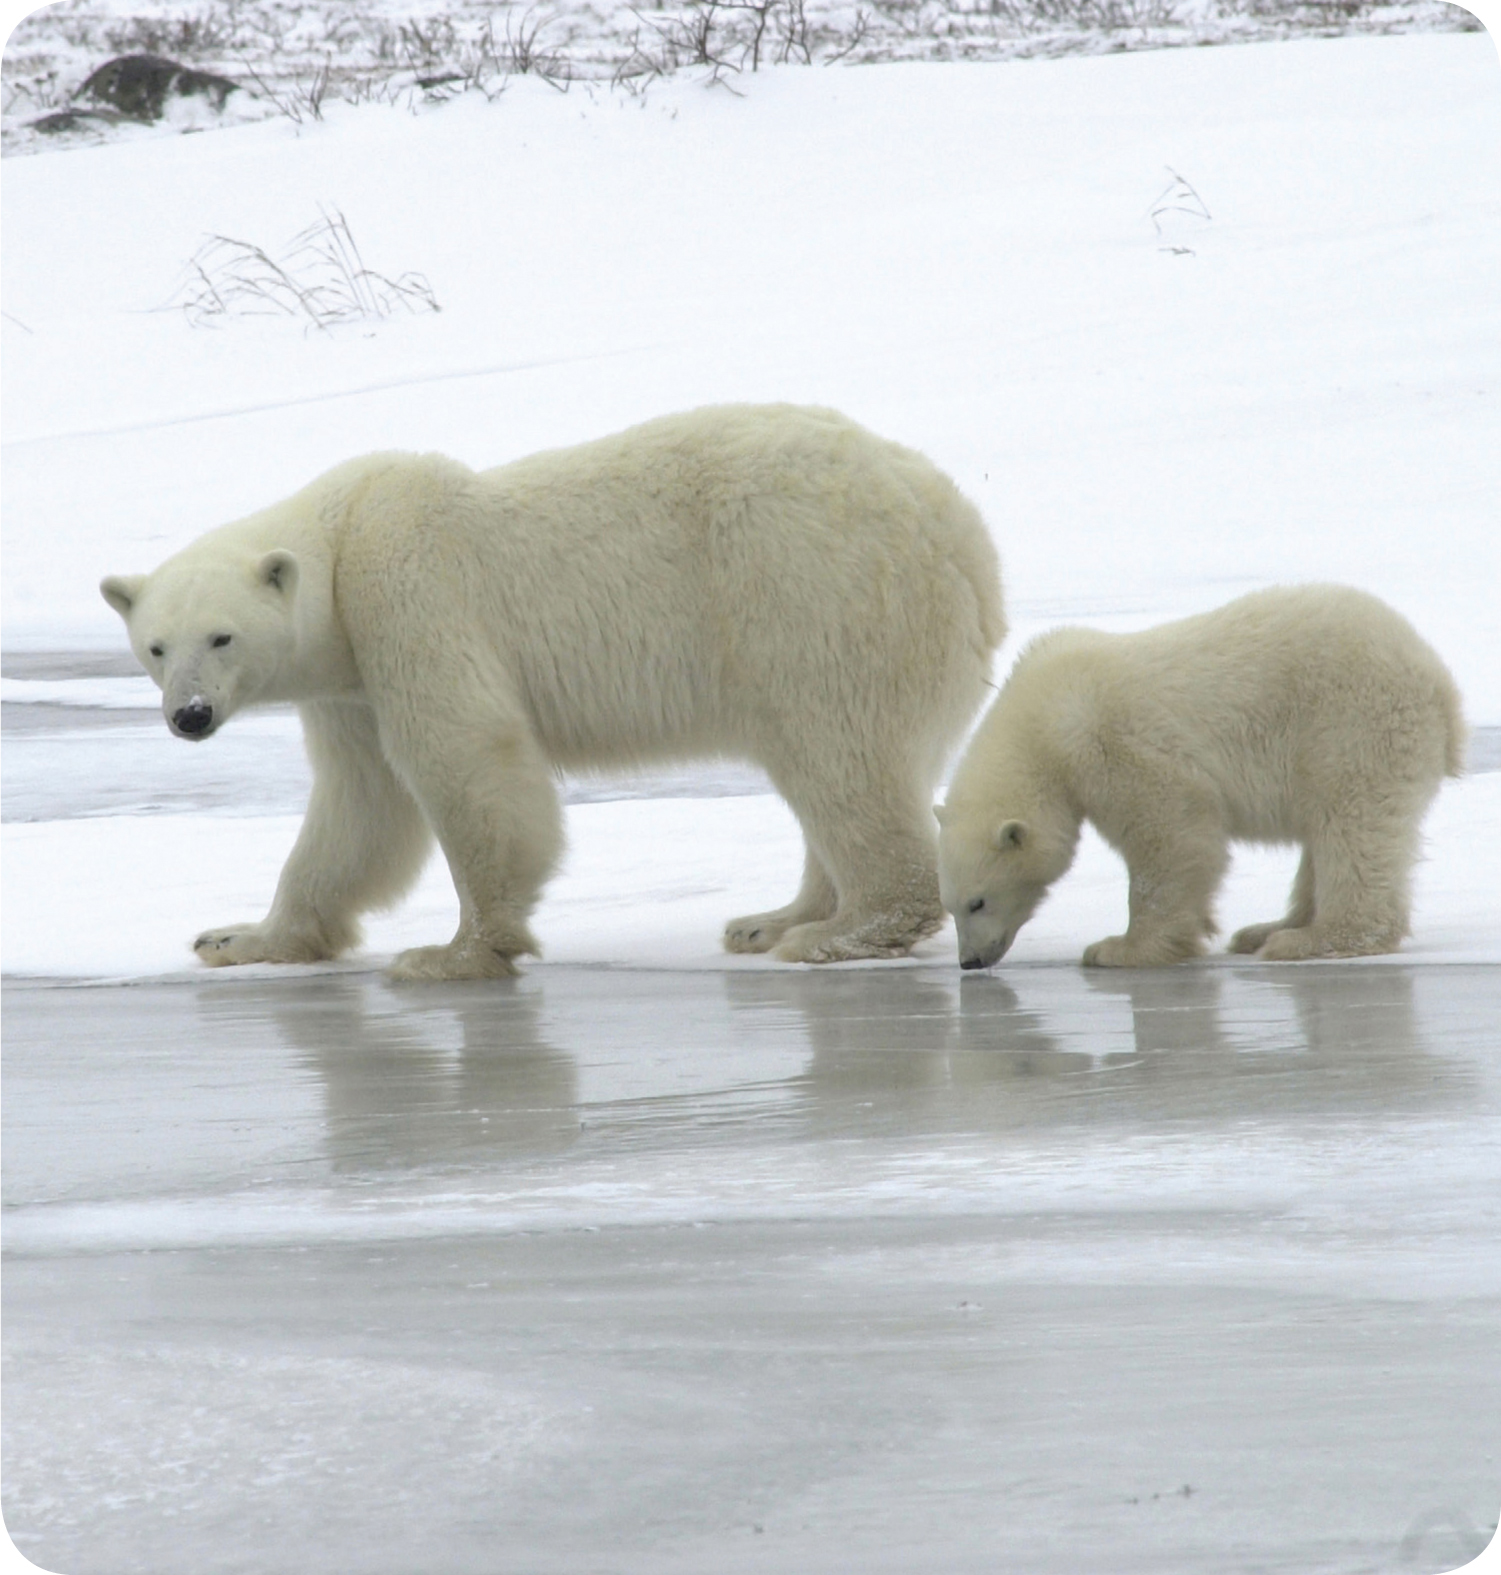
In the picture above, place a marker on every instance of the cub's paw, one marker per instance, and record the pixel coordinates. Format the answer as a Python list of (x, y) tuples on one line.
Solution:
[(1252, 938), (251, 943)]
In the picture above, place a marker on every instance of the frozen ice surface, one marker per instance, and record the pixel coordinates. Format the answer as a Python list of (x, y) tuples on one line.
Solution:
[(798, 1270)]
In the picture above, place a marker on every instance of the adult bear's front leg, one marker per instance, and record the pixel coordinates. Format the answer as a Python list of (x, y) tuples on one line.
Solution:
[(362, 844), (486, 788)]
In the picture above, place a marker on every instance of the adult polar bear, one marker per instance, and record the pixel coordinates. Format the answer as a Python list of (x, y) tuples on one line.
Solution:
[(768, 582)]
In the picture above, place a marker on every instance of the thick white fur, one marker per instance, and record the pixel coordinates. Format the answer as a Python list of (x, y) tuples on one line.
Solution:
[(1311, 715), (772, 583)]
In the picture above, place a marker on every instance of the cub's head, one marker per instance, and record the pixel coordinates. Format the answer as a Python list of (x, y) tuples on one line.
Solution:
[(992, 873), (213, 633)]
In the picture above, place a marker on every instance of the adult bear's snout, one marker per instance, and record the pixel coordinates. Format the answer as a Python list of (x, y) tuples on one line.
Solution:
[(194, 719)]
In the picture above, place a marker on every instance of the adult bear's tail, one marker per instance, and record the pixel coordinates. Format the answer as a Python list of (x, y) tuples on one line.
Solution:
[(979, 563)]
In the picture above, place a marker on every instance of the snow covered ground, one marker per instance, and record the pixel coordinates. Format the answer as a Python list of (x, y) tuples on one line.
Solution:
[(1182, 323)]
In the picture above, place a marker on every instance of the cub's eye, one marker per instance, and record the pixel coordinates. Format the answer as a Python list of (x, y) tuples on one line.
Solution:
[(155, 650), (219, 639), (977, 904)]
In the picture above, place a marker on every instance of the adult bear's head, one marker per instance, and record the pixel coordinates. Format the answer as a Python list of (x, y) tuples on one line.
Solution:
[(215, 630)]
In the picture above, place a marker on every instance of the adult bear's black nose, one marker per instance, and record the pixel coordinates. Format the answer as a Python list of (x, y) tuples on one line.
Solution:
[(194, 718), (971, 962)]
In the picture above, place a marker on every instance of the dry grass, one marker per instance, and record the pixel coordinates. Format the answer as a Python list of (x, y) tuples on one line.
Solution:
[(321, 280)]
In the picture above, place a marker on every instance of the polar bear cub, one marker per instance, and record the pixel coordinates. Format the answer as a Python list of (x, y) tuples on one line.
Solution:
[(766, 582), (1312, 715)]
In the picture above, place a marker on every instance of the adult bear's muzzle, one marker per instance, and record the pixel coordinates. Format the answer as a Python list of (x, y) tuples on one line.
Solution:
[(194, 720)]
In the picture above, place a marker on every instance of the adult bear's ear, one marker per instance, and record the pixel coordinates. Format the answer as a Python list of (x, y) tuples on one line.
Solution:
[(1012, 834), (121, 591), (278, 570)]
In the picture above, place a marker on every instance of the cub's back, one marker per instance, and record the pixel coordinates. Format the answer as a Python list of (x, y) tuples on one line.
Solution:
[(1256, 696)]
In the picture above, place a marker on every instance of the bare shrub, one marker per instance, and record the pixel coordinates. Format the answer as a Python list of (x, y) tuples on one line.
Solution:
[(1178, 197), (300, 98), (321, 280), (191, 37), (525, 54), (295, 57)]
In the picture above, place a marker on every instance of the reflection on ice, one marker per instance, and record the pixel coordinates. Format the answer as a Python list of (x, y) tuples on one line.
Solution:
[(331, 1105)]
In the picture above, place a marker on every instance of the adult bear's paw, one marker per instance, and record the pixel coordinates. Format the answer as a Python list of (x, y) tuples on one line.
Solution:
[(1253, 937), (1314, 940), (463, 958), (755, 932), (253, 943), (829, 940), (1152, 951)]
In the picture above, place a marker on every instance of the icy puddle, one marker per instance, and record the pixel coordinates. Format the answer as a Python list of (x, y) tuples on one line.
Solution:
[(788, 1270)]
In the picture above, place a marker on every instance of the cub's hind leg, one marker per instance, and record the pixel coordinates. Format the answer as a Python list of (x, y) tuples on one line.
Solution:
[(1362, 899)]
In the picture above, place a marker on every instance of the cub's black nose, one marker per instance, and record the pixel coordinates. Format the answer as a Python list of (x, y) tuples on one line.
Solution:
[(193, 719)]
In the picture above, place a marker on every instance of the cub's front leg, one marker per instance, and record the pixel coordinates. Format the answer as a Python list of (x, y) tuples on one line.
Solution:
[(1175, 869)]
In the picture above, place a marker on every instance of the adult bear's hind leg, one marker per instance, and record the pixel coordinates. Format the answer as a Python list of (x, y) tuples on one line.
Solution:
[(874, 837)]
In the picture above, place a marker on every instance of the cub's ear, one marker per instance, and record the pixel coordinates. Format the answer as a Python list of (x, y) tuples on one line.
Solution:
[(1012, 834), (940, 814), (278, 570), (121, 591)]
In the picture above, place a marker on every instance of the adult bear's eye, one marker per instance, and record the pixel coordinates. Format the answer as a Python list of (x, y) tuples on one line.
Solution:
[(977, 904), (220, 639), (155, 650)]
